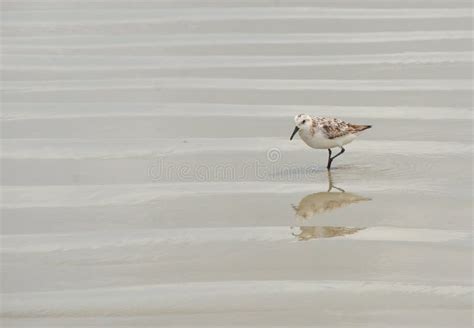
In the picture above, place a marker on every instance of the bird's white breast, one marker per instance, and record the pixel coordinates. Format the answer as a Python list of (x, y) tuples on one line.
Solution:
[(318, 140)]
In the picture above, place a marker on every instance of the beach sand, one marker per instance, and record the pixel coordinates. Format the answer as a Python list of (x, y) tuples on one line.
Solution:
[(148, 178)]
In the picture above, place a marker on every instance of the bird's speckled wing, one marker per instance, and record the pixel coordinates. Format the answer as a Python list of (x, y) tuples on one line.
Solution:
[(332, 127), (335, 128)]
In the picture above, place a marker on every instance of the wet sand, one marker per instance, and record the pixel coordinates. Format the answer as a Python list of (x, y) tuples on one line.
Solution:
[(148, 179)]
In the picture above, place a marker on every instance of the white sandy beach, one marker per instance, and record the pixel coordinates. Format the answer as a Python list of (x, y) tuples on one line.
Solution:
[(148, 179)]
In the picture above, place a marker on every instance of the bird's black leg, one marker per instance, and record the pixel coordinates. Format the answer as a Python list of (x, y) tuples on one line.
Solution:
[(339, 153), (332, 158), (329, 159)]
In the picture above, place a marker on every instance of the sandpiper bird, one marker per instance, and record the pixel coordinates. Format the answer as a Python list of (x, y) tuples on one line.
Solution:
[(326, 133)]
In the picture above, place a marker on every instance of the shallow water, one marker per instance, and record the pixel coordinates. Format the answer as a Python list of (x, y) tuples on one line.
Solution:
[(148, 179)]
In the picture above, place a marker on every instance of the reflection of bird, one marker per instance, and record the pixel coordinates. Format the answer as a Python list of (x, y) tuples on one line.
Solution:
[(326, 133), (324, 202), (307, 233), (321, 202)]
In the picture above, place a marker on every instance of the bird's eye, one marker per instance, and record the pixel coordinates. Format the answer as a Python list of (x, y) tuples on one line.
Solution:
[(304, 121)]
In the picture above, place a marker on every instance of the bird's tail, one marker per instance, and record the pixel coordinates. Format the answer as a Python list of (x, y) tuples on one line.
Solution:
[(360, 128)]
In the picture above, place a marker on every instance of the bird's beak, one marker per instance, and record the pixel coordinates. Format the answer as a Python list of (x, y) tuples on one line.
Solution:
[(294, 132)]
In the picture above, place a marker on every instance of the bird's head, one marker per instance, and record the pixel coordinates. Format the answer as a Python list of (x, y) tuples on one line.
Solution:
[(302, 122)]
